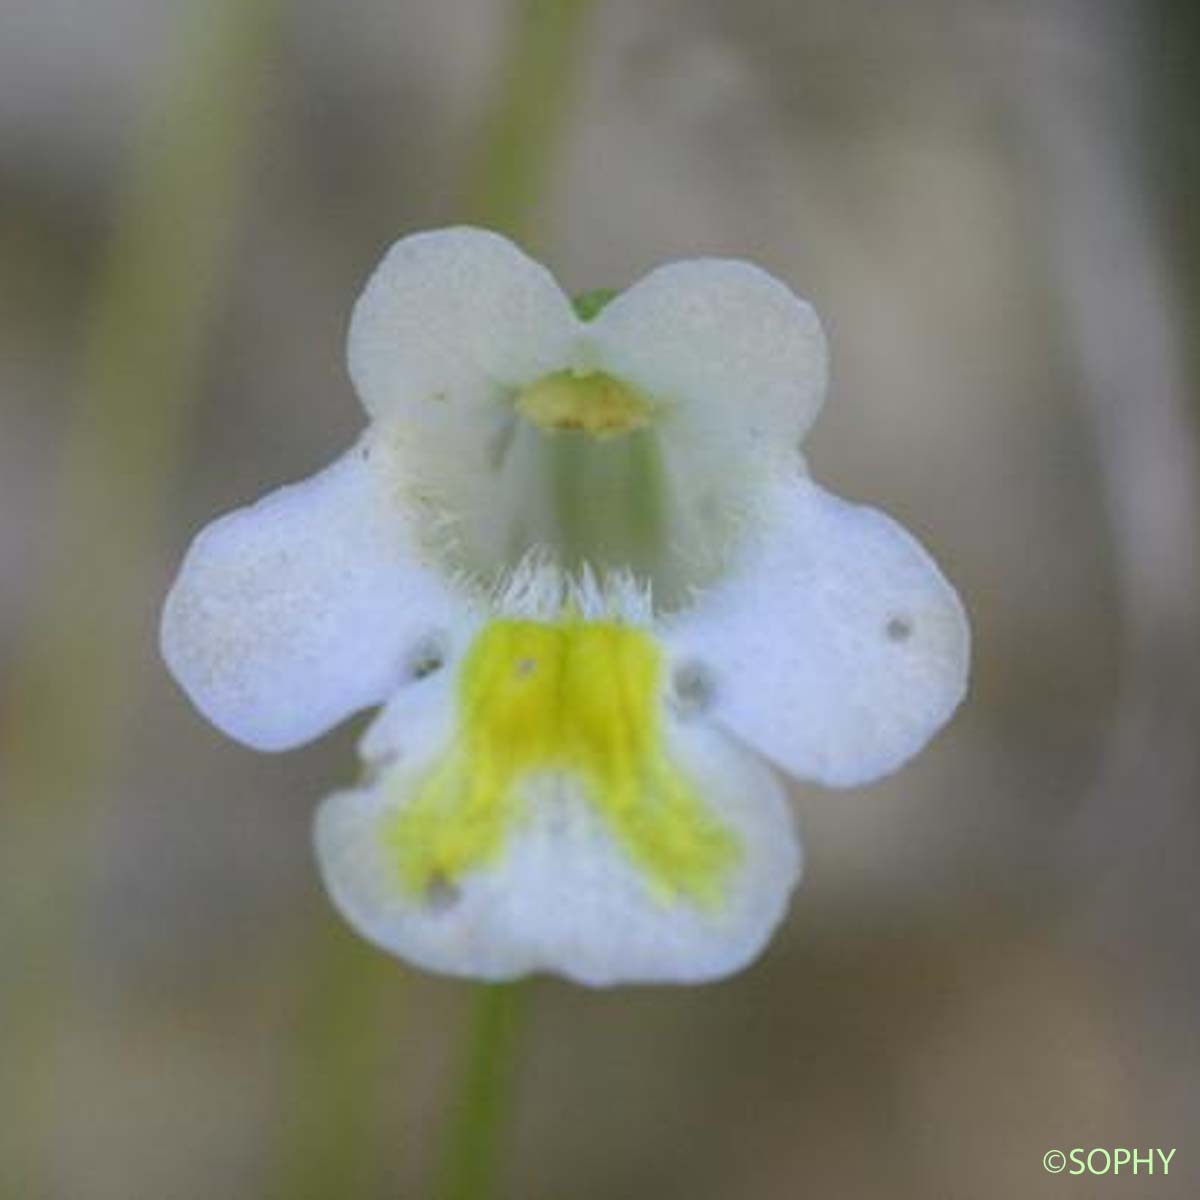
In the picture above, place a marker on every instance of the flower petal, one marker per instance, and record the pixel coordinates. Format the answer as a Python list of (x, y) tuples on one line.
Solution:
[(455, 317), (561, 895), (290, 614), (740, 358), (835, 646)]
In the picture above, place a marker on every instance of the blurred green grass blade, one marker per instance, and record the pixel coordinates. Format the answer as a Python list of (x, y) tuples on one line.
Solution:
[(141, 360), (71, 696), (530, 116)]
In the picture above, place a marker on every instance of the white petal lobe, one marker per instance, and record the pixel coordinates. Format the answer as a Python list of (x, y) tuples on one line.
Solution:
[(453, 320), (835, 647), (291, 614), (739, 358), (562, 897)]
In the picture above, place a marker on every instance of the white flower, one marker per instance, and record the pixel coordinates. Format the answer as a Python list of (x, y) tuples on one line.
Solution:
[(581, 565)]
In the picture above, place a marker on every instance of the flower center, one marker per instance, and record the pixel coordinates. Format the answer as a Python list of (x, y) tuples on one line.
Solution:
[(591, 402), (581, 699), (580, 467)]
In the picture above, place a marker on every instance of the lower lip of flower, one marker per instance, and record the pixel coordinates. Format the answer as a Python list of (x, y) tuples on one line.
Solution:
[(580, 699)]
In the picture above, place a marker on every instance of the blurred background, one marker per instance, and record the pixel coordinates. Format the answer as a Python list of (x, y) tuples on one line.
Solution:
[(995, 953)]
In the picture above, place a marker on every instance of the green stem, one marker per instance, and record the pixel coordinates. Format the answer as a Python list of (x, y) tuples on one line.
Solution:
[(518, 146), (469, 1166)]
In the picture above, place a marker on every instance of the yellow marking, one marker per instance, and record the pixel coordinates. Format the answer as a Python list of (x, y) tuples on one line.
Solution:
[(593, 402), (579, 697)]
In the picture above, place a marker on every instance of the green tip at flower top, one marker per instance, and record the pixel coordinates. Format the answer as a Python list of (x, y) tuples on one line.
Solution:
[(589, 304)]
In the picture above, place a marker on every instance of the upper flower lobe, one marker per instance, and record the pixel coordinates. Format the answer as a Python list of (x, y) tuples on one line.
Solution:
[(582, 565)]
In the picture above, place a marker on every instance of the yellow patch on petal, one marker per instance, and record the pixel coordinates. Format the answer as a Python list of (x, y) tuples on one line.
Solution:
[(592, 402), (577, 697)]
